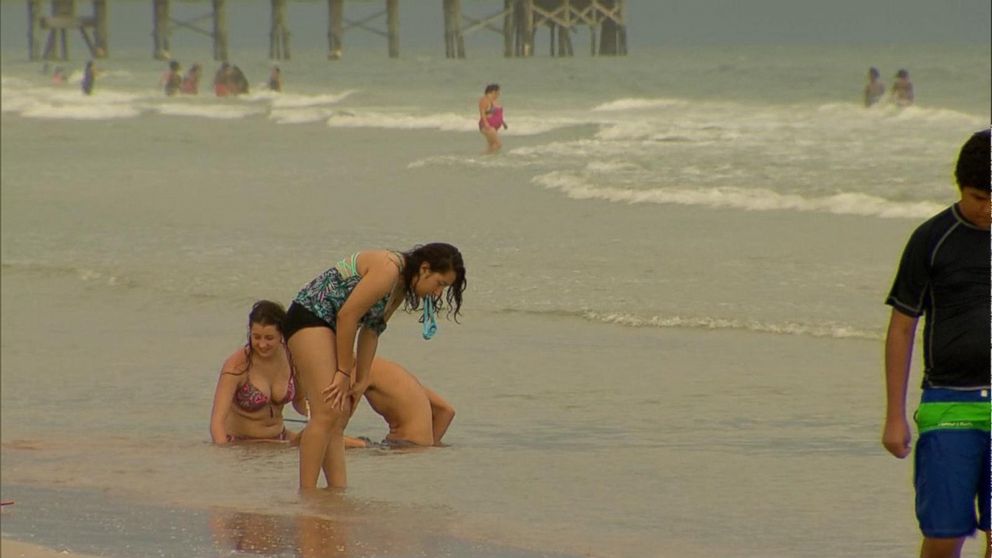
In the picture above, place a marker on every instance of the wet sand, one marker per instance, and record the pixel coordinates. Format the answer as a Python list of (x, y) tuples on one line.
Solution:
[(11, 548), (91, 523)]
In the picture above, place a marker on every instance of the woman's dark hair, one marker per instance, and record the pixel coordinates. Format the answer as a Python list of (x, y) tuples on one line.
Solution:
[(264, 313), (492, 87), (441, 258), (972, 168)]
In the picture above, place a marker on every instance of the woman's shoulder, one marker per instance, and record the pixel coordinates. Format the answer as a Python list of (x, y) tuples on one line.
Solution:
[(377, 257), (237, 362), (379, 262)]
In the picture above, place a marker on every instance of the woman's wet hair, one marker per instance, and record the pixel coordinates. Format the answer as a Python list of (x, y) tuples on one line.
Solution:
[(441, 258), (873, 72), (972, 168), (492, 87), (263, 313)]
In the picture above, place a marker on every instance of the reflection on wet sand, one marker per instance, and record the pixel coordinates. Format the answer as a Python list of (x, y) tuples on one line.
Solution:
[(278, 535), (330, 526)]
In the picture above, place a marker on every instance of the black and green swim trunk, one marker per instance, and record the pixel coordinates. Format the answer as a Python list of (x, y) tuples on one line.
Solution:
[(952, 462)]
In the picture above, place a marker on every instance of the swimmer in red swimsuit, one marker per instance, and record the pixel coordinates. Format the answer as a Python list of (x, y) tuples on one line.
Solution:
[(491, 117)]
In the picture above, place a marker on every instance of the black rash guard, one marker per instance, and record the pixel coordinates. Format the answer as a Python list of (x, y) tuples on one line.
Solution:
[(944, 275)]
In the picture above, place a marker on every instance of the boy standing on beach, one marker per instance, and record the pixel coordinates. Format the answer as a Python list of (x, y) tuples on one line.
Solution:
[(944, 275)]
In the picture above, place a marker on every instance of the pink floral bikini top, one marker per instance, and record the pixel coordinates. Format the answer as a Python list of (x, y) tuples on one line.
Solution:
[(251, 399)]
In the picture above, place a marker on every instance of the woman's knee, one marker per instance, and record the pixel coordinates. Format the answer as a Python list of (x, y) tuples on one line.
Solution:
[(326, 418)]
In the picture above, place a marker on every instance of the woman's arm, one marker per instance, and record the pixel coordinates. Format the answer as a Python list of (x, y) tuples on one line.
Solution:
[(377, 281), (483, 106), (368, 342), (442, 413), (227, 384), (300, 400)]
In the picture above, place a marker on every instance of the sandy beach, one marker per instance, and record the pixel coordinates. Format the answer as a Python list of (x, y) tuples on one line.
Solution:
[(11, 548)]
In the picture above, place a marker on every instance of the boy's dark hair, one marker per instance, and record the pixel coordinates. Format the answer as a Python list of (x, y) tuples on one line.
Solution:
[(973, 162), (492, 87)]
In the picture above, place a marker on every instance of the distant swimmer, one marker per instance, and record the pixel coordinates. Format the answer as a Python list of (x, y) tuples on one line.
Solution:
[(238, 84), (172, 79), (275, 79), (902, 89), (222, 80), (416, 415), (89, 78), (875, 89), (58, 76), (491, 117), (255, 383), (191, 82)]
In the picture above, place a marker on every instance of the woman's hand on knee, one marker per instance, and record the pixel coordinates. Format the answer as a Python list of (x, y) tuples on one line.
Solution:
[(337, 393)]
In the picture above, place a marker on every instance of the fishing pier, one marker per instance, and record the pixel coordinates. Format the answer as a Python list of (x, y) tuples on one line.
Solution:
[(518, 21)]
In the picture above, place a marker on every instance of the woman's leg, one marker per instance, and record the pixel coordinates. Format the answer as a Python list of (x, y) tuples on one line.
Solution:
[(492, 138), (322, 441)]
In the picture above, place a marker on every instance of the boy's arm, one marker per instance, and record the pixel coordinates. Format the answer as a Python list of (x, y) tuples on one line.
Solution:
[(442, 413), (898, 356)]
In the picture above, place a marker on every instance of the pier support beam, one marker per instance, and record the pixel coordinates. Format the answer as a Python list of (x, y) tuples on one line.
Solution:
[(101, 39), (508, 9), (279, 32), (34, 29), (393, 27), (161, 30), (335, 29), (58, 25), (454, 39), (220, 30)]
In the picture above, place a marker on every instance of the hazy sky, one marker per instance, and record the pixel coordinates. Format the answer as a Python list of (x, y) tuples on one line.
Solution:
[(650, 22)]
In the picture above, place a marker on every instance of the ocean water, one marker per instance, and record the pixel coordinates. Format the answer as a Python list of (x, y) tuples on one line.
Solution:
[(672, 336)]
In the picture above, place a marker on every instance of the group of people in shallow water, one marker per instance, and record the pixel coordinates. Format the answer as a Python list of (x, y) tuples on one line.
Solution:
[(901, 93), (320, 357), (229, 80)]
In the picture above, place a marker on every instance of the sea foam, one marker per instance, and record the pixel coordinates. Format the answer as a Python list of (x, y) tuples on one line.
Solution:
[(756, 199)]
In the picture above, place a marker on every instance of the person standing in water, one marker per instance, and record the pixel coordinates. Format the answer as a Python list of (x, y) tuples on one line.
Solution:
[(172, 79), (491, 117), (332, 329), (944, 276), (875, 88), (275, 79), (191, 82), (902, 89), (89, 78)]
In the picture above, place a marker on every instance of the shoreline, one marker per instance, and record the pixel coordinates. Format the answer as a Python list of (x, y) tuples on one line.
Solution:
[(97, 524), (15, 548)]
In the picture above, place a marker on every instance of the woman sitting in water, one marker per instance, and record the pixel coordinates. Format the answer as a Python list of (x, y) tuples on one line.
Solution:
[(491, 117), (255, 383)]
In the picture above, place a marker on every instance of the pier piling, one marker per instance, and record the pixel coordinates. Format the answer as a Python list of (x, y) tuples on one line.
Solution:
[(279, 32), (518, 21)]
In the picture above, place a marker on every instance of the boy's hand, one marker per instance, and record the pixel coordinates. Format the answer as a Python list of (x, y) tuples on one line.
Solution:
[(896, 437)]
